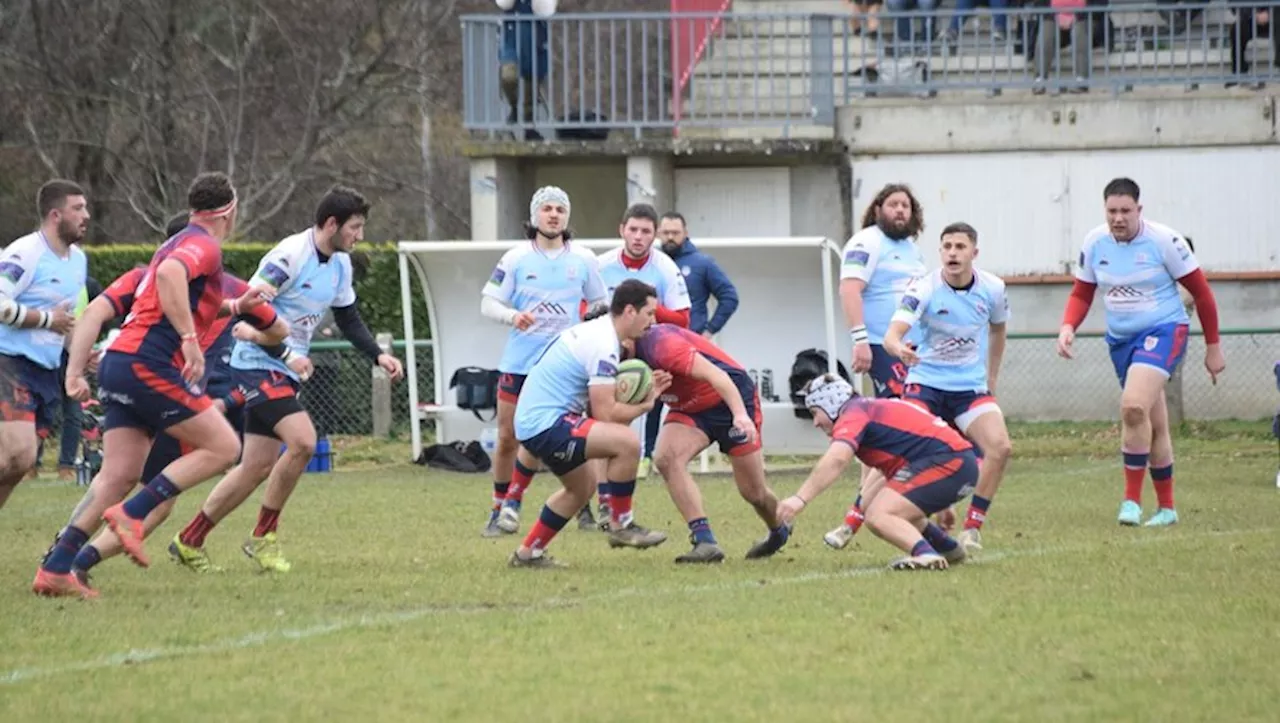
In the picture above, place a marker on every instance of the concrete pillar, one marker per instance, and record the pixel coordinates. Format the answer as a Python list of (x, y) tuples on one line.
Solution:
[(380, 392), (497, 209), (652, 180)]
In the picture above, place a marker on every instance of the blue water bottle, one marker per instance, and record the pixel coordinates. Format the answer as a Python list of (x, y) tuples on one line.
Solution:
[(323, 458)]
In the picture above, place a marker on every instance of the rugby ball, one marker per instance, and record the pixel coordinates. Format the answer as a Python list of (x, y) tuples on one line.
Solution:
[(633, 382)]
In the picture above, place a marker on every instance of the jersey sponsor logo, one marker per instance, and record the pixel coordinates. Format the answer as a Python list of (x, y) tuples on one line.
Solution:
[(274, 275), (1082, 258), (910, 303), (857, 257), (1125, 292), (498, 276), (606, 368), (11, 271), (980, 307), (550, 307)]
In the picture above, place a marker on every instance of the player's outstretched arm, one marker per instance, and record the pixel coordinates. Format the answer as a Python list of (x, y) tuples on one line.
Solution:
[(824, 474), (894, 345), (268, 337), (96, 314)]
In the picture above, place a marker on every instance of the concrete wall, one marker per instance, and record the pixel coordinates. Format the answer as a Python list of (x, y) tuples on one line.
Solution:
[(501, 189), (760, 198), (1084, 122)]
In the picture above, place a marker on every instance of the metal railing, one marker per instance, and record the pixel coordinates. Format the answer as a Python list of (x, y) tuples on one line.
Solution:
[(584, 75)]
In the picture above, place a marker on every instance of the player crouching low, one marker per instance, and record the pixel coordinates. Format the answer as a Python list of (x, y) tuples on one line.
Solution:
[(711, 399), (580, 366), (927, 464)]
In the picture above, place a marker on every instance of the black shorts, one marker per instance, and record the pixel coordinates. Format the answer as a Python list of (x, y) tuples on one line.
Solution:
[(268, 398)]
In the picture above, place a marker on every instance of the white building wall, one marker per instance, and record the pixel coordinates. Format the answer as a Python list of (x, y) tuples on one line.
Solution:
[(1032, 209)]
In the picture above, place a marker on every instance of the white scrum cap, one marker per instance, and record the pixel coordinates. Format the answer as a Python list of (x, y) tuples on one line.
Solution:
[(828, 393), (548, 194)]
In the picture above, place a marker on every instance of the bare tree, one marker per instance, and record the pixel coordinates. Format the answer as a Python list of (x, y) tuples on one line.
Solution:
[(134, 97)]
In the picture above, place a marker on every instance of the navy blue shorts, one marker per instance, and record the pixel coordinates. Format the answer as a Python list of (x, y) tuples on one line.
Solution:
[(955, 408), (935, 483), (509, 386), (563, 446), (165, 449), (1161, 347), (143, 394), (28, 392), (717, 422), (888, 373)]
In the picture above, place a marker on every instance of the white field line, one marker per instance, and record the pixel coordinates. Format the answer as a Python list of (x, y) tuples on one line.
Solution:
[(394, 619)]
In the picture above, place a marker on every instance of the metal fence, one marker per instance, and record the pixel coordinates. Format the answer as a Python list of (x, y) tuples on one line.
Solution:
[(584, 75), (1035, 384)]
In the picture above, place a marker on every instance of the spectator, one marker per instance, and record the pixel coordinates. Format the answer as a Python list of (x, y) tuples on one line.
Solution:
[(866, 17), (1251, 23), (702, 275), (705, 279), (523, 57), (904, 39), (1069, 27), (964, 8)]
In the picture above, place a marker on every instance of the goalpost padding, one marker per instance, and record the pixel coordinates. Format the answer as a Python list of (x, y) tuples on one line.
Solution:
[(788, 301)]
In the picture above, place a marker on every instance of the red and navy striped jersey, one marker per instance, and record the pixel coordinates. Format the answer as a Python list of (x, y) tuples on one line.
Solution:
[(146, 331), (121, 291), (217, 338), (889, 434), (673, 349)]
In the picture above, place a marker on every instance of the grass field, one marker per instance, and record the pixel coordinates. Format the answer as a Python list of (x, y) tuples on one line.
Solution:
[(397, 610)]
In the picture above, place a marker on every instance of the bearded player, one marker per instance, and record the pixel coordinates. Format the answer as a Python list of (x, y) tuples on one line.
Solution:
[(878, 262), (307, 274)]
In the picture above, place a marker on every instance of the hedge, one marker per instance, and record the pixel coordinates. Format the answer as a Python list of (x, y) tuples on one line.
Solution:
[(377, 278)]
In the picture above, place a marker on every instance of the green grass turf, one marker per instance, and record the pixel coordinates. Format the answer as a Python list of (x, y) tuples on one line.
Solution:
[(397, 610)]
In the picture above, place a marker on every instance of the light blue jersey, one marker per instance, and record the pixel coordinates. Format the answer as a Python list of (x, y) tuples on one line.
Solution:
[(658, 271), (885, 266), (1138, 279), (33, 275), (306, 287), (549, 285), (583, 356), (954, 325)]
